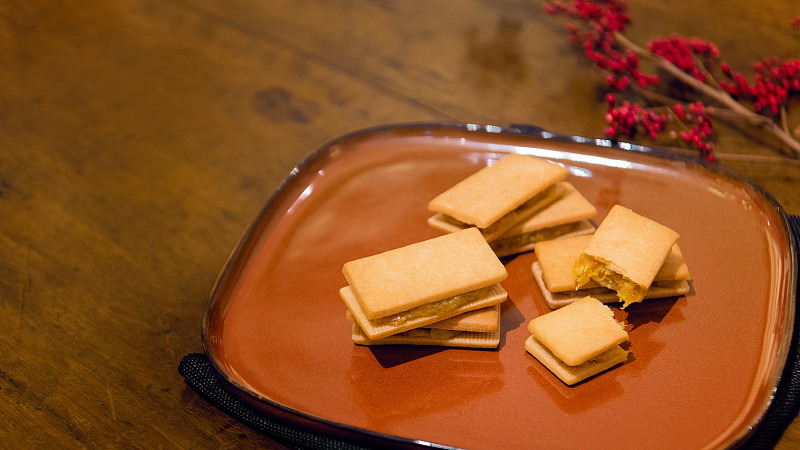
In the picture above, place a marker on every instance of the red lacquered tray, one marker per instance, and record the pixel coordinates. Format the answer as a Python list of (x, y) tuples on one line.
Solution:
[(703, 366)]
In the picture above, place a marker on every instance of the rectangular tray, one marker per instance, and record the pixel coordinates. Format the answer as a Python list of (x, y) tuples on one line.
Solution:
[(703, 366)]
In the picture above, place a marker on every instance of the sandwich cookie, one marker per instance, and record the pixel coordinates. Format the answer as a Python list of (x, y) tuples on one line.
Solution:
[(625, 253), (497, 197), (423, 283), (577, 341), (555, 260)]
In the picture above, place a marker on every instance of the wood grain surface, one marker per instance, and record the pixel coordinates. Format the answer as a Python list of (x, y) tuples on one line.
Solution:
[(139, 138)]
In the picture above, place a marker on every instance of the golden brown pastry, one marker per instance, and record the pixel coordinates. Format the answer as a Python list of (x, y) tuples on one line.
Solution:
[(423, 283), (497, 197), (625, 253)]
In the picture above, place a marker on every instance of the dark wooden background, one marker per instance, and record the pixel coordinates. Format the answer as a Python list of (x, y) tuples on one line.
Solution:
[(138, 139)]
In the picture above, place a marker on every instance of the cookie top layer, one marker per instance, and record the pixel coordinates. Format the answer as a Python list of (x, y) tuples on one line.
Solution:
[(579, 331), (631, 245), (494, 191), (423, 272)]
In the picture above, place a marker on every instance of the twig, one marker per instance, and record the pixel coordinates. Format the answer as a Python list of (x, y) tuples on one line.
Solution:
[(718, 95), (784, 120)]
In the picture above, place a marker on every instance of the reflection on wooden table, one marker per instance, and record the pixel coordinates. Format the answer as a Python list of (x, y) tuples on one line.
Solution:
[(140, 137)]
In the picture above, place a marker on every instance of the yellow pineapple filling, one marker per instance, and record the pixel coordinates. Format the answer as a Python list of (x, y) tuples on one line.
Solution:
[(588, 268), (434, 308), (532, 237)]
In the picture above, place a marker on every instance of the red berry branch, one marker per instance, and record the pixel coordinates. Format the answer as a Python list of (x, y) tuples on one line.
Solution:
[(599, 25)]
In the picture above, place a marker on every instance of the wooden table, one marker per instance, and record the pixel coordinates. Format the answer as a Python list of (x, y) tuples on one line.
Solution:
[(138, 138)]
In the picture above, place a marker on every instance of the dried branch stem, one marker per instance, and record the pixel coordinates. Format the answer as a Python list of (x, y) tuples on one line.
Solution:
[(720, 96)]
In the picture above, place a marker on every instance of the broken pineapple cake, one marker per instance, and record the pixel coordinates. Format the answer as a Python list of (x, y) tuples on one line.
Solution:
[(625, 253), (555, 259)]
